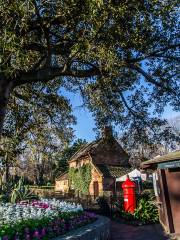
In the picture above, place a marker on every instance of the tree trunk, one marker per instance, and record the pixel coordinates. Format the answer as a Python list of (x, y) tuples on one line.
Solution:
[(5, 90), (40, 174), (6, 173)]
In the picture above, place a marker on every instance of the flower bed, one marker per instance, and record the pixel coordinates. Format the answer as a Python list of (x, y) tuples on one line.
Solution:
[(41, 220)]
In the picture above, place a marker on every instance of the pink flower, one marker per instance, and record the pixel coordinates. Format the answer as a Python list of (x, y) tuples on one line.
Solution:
[(36, 234), (27, 236), (43, 232), (5, 238)]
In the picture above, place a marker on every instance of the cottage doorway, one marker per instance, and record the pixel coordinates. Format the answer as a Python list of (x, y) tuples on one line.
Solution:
[(96, 189)]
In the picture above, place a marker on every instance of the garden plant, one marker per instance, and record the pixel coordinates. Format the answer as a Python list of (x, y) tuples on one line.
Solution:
[(43, 219), (146, 211)]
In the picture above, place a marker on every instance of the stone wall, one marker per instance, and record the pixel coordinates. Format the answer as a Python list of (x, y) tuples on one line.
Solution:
[(96, 177), (48, 193), (62, 186)]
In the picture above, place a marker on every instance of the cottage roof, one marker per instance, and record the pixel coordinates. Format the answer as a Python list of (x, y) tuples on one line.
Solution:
[(104, 151), (165, 158), (112, 171), (88, 148), (62, 177)]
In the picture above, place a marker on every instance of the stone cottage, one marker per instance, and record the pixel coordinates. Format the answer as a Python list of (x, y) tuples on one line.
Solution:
[(108, 161)]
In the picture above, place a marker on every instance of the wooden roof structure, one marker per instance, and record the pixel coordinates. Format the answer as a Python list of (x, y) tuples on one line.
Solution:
[(105, 150), (62, 177), (87, 149), (173, 156), (106, 154), (112, 171)]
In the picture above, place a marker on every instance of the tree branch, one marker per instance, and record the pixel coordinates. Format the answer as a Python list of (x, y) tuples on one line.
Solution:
[(35, 47), (157, 53), (135, 114), (173, 46), (49, 73), (150, 79)]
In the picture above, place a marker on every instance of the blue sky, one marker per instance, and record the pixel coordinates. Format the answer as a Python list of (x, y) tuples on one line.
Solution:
[(85, 123)]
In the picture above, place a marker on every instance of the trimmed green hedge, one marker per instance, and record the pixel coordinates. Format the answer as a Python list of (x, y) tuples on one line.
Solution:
[(42, 187)]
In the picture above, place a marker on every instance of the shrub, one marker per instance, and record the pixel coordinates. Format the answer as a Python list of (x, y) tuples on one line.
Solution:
[(5, 191), (42, 187), (146, 211), (147, 185), (104, 206), (15, 192)]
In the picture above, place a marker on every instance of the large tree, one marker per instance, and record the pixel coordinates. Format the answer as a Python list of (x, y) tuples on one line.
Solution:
[(38, 122), (121, 55)]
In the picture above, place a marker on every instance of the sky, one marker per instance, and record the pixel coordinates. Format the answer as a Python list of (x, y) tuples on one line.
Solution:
[(85, 122)]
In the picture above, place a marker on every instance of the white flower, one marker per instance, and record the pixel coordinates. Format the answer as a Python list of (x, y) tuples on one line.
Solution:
[(13, 213)]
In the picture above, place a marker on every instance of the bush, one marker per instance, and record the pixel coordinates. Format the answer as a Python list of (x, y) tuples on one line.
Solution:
[(104, 206), (15, 192), (146, 211), (147, 185), (21, 192), (41, 187), (5, 191)]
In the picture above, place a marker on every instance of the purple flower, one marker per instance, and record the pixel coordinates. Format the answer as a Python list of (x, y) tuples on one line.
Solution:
[(27, 236), (5, 237), (43, 232), (36, 234)]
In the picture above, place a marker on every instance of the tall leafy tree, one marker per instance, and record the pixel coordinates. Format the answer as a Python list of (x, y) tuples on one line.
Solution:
[(39, 120), (121, 55), (174, 123)]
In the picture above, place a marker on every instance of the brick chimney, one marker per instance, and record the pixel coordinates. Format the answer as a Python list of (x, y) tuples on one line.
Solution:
[(107, 132)]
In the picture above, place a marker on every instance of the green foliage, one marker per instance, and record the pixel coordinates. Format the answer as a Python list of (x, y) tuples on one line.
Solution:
[(67, 153), (80, 178), (147, 185), (21, 192), (104, 206), (146, 211), (15, 192), (41, 187), (41, 129), (66, 221), (5, 191), (122, 56)]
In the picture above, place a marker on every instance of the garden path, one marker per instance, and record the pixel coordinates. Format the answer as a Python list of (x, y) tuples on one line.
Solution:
[(121, 231)]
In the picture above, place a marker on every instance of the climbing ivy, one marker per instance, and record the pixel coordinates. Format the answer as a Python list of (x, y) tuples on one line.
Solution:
[(80, 178)]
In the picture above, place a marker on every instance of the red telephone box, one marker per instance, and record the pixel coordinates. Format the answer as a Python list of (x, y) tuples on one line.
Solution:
[(129, 195)]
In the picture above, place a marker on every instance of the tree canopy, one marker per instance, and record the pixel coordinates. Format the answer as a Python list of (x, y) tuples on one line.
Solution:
[(38, 124), (122, 56)]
